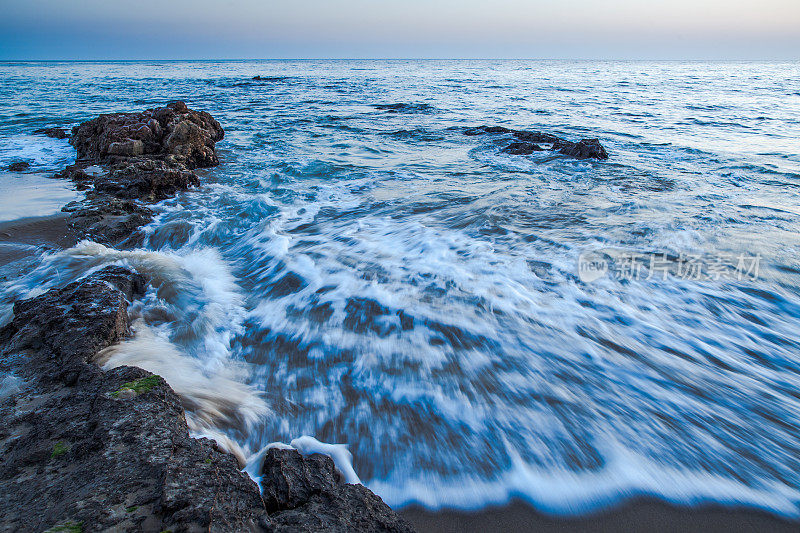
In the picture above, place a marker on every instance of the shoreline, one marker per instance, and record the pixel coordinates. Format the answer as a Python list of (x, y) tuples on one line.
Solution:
[(645, 515)]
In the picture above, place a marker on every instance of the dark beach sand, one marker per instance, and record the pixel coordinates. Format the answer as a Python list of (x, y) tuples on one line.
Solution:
[(648, 516)]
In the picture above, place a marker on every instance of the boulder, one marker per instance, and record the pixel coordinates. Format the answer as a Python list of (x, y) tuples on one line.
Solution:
[(584, 149), (147, 156), (306, 493), (522, 148), (174, 130)]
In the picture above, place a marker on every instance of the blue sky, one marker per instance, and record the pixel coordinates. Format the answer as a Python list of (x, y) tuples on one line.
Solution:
[(243, 29)]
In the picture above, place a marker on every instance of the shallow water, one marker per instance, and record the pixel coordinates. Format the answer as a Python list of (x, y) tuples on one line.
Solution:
[(364, 273)]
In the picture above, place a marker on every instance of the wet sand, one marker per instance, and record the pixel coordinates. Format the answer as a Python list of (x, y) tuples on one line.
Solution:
[(646, 516), (29, 236)]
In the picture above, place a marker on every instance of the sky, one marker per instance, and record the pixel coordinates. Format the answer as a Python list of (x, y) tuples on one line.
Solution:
[(265, 29)]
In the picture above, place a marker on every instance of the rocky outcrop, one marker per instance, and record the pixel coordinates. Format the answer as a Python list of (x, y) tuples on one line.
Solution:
[(528, 142), (175, 133), (143, 157), (306, 493), (102, 450), (106, 219)]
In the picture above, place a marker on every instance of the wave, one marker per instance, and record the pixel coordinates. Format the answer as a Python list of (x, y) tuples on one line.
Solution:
[(41, 152)]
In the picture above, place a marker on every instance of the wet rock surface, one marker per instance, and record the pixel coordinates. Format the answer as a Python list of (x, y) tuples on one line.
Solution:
[(527, 142), (176, 132), (19, 166), (141, 157), (306, 493), (55, 133), (106, 219)]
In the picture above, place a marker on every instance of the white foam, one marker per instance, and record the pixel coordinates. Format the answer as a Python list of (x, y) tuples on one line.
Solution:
[(213, 399), (564, 492), (43, 153), (308, 445)]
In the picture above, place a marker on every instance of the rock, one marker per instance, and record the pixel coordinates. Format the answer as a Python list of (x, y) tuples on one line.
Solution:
[(77, 448), (305, 493), (174, 130), (480, 130), (584, 149), (145, 179), (522, 148), (528, 142), (130, 147), (147, 156), (19, 166), (107, 219), (290, 479), (55, 133)]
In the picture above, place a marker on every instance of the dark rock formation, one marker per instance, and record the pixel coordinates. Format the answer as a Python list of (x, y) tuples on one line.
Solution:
[(147, 156), (174, 132), (19, 166), (528, 142), (583, 149), (107, 450), (522, 148), (305, 493), (145, 179), (106, 219), (55, 133), (404, 108)]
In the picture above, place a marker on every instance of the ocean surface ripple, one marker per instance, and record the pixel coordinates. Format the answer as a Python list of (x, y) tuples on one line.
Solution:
[(360, 271)]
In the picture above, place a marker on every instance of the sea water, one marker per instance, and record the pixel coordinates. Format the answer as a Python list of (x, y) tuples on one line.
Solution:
[(360, 272)]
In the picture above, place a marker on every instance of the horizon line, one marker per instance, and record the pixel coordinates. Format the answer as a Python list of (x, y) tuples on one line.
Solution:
[(176, 60)]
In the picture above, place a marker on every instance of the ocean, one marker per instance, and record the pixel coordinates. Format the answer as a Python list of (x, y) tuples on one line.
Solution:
[(471, 326)]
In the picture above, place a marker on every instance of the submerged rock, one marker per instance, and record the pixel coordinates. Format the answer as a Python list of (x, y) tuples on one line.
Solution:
[(19, 166), (522, 148), (583, 149), (175, 130), (528, 142), (306, 493), (55, 133)]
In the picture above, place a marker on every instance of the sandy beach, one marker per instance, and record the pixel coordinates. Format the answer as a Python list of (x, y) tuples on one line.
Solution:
[(645, 516)]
